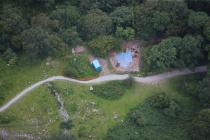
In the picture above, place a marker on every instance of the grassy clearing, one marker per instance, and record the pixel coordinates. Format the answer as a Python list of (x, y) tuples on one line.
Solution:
[(92, 115), (35, 114), (16, 78), (89, 111)]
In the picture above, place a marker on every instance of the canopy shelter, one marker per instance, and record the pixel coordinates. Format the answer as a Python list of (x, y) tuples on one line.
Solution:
[(96, 65)]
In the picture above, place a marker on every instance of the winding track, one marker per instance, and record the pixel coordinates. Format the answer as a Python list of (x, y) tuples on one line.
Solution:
[(110, 77)]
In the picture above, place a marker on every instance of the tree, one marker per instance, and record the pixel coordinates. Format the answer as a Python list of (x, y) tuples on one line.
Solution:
[(153, 18), (110, 5), (204, 94), (102, 45), (137, 118), (206, 31), (163, 55), (190, 52), (9, 57), (71, 36), (43, 21), (122, 16), (127, 33), (38, 43), (12, 24), (201, 125), (95, 23), (197, 20), (161, 21), (160, 101), (66, 15), (39, 3)]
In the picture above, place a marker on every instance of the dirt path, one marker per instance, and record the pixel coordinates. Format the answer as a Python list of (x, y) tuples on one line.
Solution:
[(110, 77)]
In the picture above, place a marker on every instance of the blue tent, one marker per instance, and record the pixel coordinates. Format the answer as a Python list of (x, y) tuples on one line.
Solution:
[(124, 58), (96, 65)]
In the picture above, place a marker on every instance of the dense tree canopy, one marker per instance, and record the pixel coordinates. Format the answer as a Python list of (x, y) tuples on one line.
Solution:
[(163, 55), (158, 17), (102, 45), (39, 43), (201, 125), (43, 21), (95, 23), (197, 20), (122, 16), (190, 51), (127, 33), (66, 15)]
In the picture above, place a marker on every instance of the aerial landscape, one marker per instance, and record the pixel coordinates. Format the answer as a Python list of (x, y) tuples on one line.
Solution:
[(104, 70)]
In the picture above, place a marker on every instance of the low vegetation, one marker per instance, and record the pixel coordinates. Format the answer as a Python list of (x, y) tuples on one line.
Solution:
[(112, 90), (78, 66)]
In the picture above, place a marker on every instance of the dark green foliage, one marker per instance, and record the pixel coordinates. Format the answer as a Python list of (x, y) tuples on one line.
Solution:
[(122, 16), (173, 109), (161, 21), (160, 101), (163, 55), (4, 119), (78, 66), (204, 92), (155, 18), (197, 20), (102, 45), (127, 33), (149, 123), (168, 106), (43, 21), (38, 43), (66, 15), (190, 52), (9, 57), (206, 31), (71, 36), (137, 118), (111, 90), (95, 23), (201, 125), (66, 124), (124, 131)]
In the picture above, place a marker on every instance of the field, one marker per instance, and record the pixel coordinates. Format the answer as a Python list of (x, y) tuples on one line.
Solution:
[(16, 78), (92, 115)]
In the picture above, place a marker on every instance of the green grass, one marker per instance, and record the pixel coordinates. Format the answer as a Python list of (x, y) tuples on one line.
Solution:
[(92, 116), (34, 114), (16, 78)]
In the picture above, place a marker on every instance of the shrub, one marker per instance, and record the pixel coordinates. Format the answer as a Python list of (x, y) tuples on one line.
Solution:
[(111, 90), (5, 119), (78, 66), (204, 94), (66, 124), (137, 117), (201, 125), (173, 109), (168, 106), (160, 101)]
